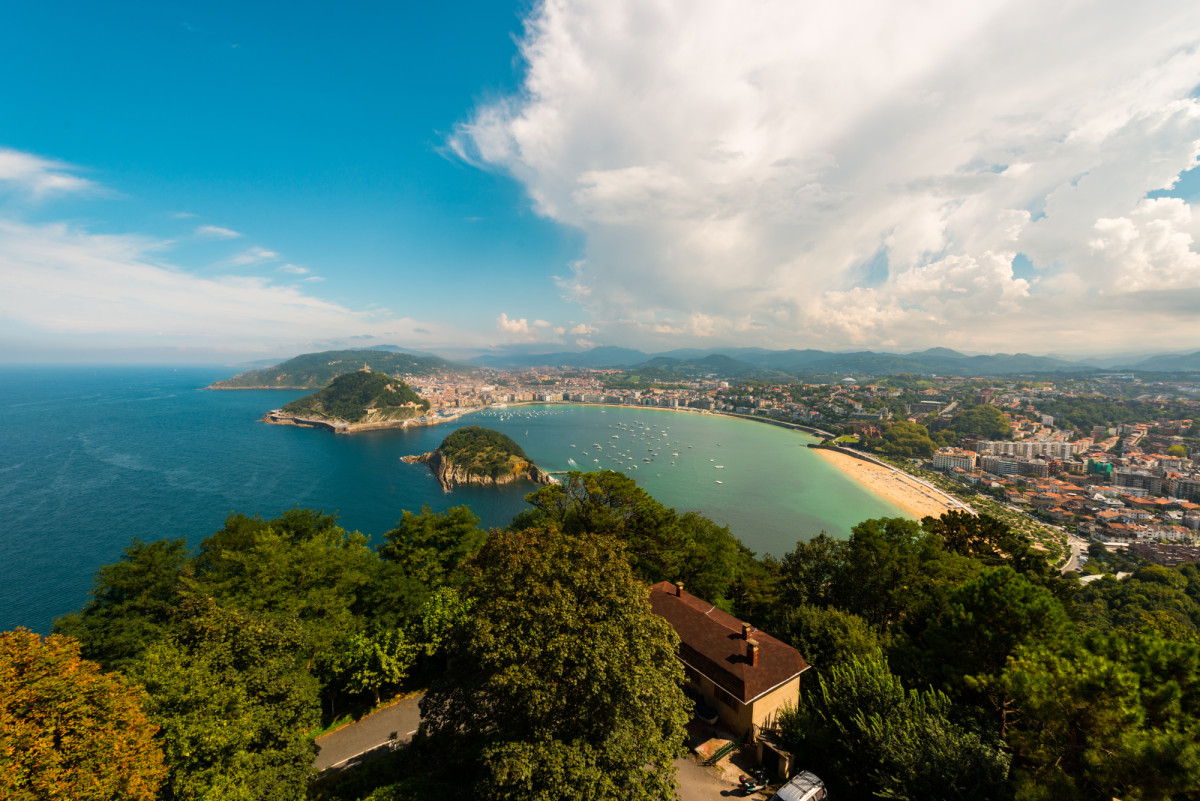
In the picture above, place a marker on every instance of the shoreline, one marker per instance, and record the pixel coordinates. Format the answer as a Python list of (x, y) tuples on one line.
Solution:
[(906, 491)]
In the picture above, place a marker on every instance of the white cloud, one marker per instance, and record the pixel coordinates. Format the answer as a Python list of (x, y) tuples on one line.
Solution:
[(215, 232), (38, 177), (861, 172), (254, 255), (516, 329), (293, 269), (59, 282), (583, 328)]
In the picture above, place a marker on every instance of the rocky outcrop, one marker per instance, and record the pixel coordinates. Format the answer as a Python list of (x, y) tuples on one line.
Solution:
[(450, 475)]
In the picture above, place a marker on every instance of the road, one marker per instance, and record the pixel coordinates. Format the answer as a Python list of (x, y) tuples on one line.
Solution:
[(375, 734)]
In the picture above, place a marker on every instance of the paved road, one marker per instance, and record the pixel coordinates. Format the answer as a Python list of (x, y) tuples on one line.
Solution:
[(378, 732)]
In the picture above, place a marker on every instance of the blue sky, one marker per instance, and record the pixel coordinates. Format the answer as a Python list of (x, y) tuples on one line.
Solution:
[(221, 181)]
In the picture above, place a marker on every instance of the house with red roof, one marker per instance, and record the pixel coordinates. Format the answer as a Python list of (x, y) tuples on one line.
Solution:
[(745, 674)]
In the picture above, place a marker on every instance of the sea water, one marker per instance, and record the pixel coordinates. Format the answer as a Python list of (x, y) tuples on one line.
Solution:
[(93, 457)]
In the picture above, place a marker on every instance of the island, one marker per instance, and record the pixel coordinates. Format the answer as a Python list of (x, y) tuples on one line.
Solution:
[(359, 401), (475, 455), (316, 370)]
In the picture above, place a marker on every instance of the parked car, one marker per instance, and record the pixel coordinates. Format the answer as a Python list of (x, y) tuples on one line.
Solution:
[(801, 787)]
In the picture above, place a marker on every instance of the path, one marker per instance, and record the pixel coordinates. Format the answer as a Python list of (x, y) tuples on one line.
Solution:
[(377, 733), (698, 783)]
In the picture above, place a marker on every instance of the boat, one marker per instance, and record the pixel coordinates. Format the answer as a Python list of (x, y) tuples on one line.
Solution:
[(720, 482), (719, 466)]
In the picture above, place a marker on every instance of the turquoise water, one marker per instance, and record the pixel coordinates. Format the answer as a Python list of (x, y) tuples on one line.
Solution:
[(90, 458)]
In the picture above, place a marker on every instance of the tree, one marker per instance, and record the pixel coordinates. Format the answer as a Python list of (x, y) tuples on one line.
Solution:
[(132, 603), (430, 546), (827, 636), (233, 699), (907, 440), (661, 544), (983, 421), (376, 660), (869, 737), (563, 683), (807, 575), (69, 731), (1180, 451)]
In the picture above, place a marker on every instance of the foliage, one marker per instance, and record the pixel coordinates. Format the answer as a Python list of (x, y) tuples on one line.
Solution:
[(869, 737), (563, 683), (983, 421), (482, 451), (430, 546), (233, 699), (1114, 719), (1178, 450), (69, 731), (906, 440), (372, 661), (827, 636), (131, 603), (987, 539), (349, 397), (661, 544)]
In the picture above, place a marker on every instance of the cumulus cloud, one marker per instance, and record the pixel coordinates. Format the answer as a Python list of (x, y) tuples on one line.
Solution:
[(38, 177), (61, 280), (517, 329), (215, 232), (863, 172)]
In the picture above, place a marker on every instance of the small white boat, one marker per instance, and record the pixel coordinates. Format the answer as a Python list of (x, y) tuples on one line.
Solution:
[(720, 482)]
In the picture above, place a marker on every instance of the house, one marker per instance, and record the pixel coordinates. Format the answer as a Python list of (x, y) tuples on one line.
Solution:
[(745, 674)]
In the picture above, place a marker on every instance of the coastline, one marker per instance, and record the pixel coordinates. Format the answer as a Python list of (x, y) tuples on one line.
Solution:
[(276, 418), (907, 492)]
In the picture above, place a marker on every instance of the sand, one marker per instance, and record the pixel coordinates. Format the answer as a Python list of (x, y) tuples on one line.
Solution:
[(907, 492)]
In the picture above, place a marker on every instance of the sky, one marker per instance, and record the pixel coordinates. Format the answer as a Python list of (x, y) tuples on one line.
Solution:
[(223, 182)]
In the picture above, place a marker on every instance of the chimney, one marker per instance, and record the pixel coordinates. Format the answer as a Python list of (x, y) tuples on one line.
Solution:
[(746, 629), (679, 589), (752, 645)]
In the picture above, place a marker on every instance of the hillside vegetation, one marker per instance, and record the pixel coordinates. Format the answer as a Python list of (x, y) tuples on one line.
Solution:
[(482, 451), (354, 396), (316, 370)]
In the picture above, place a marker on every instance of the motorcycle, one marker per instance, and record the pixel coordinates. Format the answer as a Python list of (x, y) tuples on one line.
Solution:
[(756, 781)]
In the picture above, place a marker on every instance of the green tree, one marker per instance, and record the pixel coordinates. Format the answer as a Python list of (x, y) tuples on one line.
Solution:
[(372, 661), (907, 440), (869, 737), (826, 636), (563, 683), (1180, 451), (69, 731), (430, 546), (661, 544), (132, 603), (233, 700), (983, 421), (809, 573)]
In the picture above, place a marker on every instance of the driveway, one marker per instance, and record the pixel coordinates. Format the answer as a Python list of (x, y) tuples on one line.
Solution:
[(698, 783), (373, 735)]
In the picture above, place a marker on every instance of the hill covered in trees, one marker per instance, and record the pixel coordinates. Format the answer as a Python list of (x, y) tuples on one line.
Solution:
[(360, 398), (316, 370), (475, 455)]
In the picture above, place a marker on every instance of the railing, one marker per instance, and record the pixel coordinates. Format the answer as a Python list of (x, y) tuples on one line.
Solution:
[(727, 749)]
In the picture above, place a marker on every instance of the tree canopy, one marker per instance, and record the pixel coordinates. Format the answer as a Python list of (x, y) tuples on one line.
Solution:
[(562, 682), (67, 730)]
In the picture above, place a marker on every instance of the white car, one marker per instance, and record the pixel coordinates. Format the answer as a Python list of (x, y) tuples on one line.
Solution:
[(801, 787)]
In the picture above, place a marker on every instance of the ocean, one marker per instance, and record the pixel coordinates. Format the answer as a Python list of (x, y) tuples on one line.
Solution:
[(91, 457)]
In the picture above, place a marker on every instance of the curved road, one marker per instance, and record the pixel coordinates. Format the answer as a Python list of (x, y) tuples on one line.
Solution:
[(374, 735)]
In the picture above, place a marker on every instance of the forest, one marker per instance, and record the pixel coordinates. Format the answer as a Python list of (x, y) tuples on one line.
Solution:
[(349, 397), (948, 660)]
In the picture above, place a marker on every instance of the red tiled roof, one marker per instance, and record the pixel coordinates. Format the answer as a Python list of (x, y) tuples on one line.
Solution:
[(711, 642)]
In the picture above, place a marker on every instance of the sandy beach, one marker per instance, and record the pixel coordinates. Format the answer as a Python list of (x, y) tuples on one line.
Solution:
[(897, 486)]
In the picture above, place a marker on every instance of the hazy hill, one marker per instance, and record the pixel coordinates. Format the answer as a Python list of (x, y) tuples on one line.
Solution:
[(316, 370)]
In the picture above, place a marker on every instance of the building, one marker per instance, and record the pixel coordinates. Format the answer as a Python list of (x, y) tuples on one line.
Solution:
[(745, 674), (953, 458)]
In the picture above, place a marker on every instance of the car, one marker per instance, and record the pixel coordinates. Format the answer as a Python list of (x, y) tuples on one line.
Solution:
[(803, 786)]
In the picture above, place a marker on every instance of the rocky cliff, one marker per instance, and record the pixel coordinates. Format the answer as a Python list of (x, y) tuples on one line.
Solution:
[(450, 475)]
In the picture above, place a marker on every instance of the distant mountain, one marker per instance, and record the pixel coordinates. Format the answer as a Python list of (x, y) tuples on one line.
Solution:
[(317, 370), (596, 358), (761, 362), (1170, 363)]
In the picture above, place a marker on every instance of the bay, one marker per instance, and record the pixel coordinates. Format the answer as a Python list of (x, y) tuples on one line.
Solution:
[(92, 457)]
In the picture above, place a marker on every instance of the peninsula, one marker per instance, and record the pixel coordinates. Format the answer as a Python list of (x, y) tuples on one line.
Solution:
[(357, 401), (316, 370), (475, 455)]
